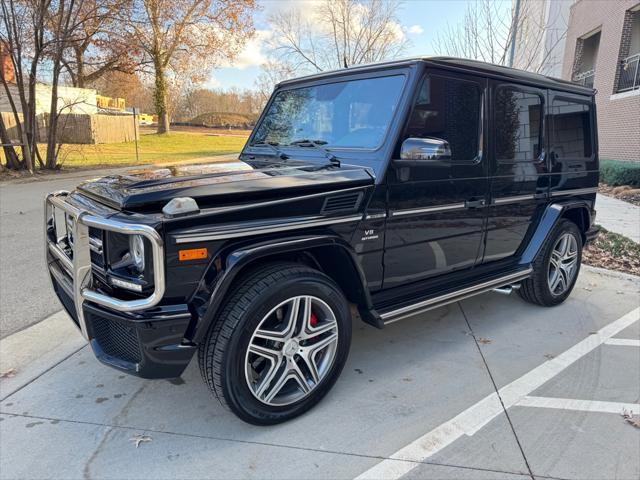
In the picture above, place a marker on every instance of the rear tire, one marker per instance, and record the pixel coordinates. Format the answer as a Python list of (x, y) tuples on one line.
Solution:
[(286, 327), (556, 269)]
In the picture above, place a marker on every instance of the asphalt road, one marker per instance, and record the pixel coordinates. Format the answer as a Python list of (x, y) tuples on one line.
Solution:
[(489, 388), (26, 296)]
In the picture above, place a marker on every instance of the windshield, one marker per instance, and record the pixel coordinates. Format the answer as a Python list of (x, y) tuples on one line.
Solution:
[(346, 114)]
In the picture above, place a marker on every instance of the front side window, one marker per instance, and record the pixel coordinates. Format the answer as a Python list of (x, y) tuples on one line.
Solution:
[(570, 129), (448, 109), (517, 125), (346, 114)]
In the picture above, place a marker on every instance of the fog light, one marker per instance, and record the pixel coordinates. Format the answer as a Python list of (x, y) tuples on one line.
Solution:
[(116, 282)]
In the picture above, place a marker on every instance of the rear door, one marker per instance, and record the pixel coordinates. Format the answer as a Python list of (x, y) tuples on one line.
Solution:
[(519, 180), (436, 207)]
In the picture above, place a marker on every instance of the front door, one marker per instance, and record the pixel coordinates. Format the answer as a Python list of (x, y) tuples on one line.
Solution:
[(437, 208)]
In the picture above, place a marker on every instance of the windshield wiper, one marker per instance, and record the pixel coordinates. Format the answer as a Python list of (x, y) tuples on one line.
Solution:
[(318, 145), (273, 146)]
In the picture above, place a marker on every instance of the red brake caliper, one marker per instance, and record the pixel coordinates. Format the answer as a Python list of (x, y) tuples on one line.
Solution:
[(313, 320)]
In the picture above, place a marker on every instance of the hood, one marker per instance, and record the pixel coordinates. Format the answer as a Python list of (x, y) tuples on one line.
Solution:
[(220, 184)]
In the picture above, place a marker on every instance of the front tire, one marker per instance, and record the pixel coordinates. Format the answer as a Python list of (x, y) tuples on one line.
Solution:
[(278, 345), (556, 269)]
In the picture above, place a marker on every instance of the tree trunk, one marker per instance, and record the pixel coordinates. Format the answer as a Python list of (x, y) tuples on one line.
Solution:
[(52, 131), (160, 98), (80, 80), (13, 162)]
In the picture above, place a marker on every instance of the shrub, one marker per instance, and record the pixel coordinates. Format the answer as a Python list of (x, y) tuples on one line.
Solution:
[(616, 172), (225, 120)]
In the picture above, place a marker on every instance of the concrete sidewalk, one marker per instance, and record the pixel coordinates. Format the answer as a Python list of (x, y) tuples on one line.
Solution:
[(416, 400), (618, 216)]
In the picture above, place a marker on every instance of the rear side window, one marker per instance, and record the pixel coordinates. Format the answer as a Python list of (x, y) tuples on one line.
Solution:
[(570, 129), (448, 109), (518, 116)]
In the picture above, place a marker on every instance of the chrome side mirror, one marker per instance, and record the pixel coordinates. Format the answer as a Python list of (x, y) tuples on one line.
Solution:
[(421, 149)]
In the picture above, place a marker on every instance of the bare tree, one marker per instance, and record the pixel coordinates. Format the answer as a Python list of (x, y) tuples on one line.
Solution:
[(338, 34), (272, 73), (101, 43), (185, 38), (489, 29), (198, 101), (64, 22), (23, 32)]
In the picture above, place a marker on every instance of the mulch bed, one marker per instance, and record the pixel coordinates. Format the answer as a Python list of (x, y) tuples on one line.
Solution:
[(614, 252), (625, 192)]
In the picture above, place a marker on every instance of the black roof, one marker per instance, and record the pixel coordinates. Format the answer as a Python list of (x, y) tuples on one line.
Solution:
[(461, 64)]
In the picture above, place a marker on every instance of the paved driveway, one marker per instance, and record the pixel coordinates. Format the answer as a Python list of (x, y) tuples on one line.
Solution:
[(25, 289), (489, 388)]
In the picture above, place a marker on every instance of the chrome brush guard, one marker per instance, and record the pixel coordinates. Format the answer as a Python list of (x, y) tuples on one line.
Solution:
[(75, 276)]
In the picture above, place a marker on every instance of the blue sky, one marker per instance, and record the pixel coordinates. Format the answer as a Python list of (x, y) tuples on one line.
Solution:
[(420, 19)]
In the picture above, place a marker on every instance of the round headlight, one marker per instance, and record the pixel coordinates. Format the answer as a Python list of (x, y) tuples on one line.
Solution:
[(136, 248)]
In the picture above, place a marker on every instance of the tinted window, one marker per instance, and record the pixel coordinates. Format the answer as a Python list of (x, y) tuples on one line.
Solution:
[(448, 109), (517, 125), (570, 129), (352, 113)]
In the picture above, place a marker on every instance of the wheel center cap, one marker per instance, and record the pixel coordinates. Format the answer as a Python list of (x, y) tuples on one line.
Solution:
[(291, 347)]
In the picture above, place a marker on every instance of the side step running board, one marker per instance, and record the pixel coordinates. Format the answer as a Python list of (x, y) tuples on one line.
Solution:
[(451, 297)]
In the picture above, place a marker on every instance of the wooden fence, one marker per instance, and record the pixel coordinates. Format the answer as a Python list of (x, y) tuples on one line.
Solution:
[(81, 128)]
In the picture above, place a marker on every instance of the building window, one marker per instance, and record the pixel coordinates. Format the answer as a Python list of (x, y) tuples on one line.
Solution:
[(586, 58), (517, 125), (570, 130), (629, 67)]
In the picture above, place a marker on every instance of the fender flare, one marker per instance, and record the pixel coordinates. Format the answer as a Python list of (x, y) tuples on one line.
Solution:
[(550, 217), (233, 260)]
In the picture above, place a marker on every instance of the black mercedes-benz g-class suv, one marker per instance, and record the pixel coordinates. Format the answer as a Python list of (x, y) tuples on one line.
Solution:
[(385, 190)]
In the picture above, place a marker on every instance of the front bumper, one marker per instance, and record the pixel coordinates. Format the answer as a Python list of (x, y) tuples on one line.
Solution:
[(147, 344), (136, 336)]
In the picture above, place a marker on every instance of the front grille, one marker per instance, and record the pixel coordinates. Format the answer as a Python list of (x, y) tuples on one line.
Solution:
[(117, 339)]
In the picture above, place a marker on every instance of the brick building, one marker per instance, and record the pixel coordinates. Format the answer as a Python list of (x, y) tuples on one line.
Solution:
[(603, 50), (6, 67)]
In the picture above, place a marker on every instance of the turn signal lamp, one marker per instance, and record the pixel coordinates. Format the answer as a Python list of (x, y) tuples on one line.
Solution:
[(192, 254)]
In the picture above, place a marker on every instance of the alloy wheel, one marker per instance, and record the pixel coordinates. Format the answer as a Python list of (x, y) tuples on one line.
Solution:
[(563, 264), (291, 351)]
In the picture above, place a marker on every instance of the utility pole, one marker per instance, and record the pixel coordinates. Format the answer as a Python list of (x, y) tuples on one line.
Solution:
[(135, 135), (514, 32)]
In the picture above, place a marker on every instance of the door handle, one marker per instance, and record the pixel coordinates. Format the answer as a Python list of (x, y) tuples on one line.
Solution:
[(475, 203)]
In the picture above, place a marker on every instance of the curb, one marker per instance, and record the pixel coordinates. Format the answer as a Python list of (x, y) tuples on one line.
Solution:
[(27, 354), (612, 273)]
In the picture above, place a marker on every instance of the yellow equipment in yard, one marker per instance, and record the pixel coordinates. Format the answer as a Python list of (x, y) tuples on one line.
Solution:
[(110, 103)]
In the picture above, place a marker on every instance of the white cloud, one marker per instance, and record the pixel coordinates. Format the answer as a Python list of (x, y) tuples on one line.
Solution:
[(212, 83), (252, 54), (416, 30)]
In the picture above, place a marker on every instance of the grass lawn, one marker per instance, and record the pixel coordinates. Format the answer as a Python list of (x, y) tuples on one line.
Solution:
[(152, 148)]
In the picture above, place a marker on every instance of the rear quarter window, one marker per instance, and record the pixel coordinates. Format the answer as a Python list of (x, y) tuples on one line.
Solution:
[(571, 134)]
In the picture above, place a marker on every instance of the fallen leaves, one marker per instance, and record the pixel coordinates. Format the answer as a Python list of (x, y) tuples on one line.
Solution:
[(614, 252), (9, 373), (138, 439), (624, 192), (484, 341), (630, 418)]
